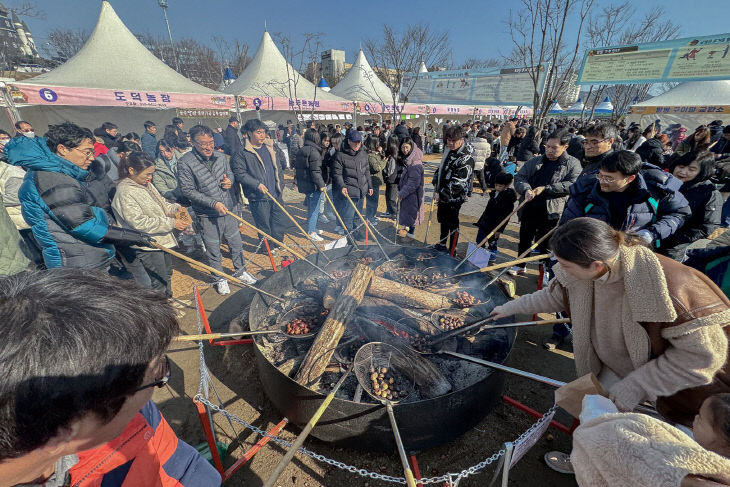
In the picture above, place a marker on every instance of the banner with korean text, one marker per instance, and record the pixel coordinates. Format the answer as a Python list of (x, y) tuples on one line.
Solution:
[(689, 59)]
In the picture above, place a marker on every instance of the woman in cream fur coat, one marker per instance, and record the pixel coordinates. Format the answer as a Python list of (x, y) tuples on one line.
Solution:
[(650, 328)]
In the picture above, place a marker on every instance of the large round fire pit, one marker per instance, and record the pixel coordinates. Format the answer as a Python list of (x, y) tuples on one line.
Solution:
[(423, 422)]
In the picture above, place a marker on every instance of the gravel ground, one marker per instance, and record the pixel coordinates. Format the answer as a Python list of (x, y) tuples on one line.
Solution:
[(235, 378)]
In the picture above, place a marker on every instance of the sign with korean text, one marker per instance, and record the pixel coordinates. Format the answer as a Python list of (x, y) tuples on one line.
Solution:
[(505, 86), (689, 59)]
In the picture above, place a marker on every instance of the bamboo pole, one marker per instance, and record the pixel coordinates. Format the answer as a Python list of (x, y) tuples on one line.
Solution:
[(523, 254), (296, 223), (484, 240), (365, 222), (430, 215), (339, 218), (212, 270), (283, 245), (501, 265)]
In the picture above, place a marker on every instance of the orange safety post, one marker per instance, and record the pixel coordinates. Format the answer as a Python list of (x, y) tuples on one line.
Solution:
[(209, 438), (271, 257), (416, 470), (366, 234), (206, 325), (454, 241), (254, 449)]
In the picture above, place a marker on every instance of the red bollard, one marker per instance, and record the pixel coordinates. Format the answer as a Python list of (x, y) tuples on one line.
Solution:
[(367, 232), (271, 257), (454, 241)]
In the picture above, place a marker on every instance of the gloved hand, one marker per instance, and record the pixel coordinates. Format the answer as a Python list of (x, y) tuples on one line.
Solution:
[(646, 236), (127, 236)]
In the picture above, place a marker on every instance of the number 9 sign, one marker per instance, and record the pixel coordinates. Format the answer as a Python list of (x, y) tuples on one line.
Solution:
[(48, 95)]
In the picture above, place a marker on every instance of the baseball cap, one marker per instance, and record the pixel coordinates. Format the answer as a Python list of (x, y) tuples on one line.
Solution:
[(354, 136)]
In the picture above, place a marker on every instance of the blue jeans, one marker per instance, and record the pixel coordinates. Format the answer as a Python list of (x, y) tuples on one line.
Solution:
[(313, 203), (347, 212)]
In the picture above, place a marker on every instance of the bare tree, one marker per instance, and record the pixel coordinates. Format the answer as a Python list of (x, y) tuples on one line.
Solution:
[(65, 43), (475, 63), (538, 32), (231, 54), (28, 10), (617, 24), (397, 53), (195, 61)]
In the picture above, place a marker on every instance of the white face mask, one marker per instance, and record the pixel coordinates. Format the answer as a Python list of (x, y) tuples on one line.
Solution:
[(332, 151), (30, 135)]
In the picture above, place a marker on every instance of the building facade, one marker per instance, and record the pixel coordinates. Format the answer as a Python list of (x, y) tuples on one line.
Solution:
[(333, 65), (16, 40)]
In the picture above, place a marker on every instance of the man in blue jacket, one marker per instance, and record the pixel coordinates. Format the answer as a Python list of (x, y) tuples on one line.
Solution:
[(57, 204), (630, 196), (149, 141)]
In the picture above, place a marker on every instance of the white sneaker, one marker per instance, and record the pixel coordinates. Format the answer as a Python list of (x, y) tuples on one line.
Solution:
[(315, 237), (245, 277), (221, 287), (320, 232)]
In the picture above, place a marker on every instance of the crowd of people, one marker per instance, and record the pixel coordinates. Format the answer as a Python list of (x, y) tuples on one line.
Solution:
[(623, 205)]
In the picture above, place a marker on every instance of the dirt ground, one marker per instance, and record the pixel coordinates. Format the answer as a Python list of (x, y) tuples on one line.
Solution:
[(236, 382)]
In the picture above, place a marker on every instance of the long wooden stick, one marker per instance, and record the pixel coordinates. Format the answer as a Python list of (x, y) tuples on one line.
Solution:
[(504, 368), (478, 324), (215, 336), (506, 220), (523, 254), (306, 235), (284, 246), (501, 265), (305, 432), (277, 242), (365, 222), (212, 270), (339, 218)]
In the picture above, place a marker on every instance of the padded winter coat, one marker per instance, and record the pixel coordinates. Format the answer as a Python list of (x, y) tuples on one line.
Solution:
[(59, 208), (658, 205), (352, 171), (13, 251), (706, 205), (482, 151), (202, 186), (558, 190), (250, 171), (143, 208), (308, 166), (410, 189), (652, 152)]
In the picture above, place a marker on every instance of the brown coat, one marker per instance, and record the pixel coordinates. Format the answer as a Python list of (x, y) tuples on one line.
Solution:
[(675, 326)]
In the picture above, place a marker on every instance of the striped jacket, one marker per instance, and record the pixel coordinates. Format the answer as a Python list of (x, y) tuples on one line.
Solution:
[(146, 454)]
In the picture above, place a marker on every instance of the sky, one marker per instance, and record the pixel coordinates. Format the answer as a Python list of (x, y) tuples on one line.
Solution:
[(476, 28)]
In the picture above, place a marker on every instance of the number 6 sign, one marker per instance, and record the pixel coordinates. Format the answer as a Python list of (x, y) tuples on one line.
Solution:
[(48, 95)]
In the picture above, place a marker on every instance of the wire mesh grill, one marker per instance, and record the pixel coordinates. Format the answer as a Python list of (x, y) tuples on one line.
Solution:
[(392, 369)]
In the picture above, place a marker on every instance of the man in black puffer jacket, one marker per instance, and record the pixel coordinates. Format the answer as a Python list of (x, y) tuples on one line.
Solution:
[(308, 166), (351, 177), (258, 169)]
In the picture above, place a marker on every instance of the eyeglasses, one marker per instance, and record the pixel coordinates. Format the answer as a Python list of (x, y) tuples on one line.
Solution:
[(608, 179), (594, 141), (165, 376), (88, 153), (204, 144)]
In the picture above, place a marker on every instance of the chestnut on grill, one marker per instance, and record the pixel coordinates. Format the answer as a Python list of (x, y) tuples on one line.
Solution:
[(384, 384), (464, 299), (451, 322), (300, 326)]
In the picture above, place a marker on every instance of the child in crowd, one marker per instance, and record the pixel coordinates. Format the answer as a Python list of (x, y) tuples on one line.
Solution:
[(636, 449), (501, 203)]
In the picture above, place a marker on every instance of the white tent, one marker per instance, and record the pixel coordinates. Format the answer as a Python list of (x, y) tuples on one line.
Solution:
[(690, 104), (114, 59), (556, 108), (270, 75), (360, 83), (422, 68), (576, 107), (604, 108)]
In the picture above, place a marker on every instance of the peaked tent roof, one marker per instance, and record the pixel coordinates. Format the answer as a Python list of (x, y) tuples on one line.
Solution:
[(422, 68), (692, 93), (605, 106), (269, 74), (576, 107), (131, 67), (556, 108), (323, 83), (362, 84)]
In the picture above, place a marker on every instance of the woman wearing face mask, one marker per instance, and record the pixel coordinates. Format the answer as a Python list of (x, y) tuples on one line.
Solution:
[(694, 170), (410, 188), (139, 206), (648, 327)]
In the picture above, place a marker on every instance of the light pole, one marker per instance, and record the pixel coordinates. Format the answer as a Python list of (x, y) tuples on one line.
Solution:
[(163, 6)]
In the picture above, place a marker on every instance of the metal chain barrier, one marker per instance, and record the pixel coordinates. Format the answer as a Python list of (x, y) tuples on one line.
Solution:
[(452, 478)]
